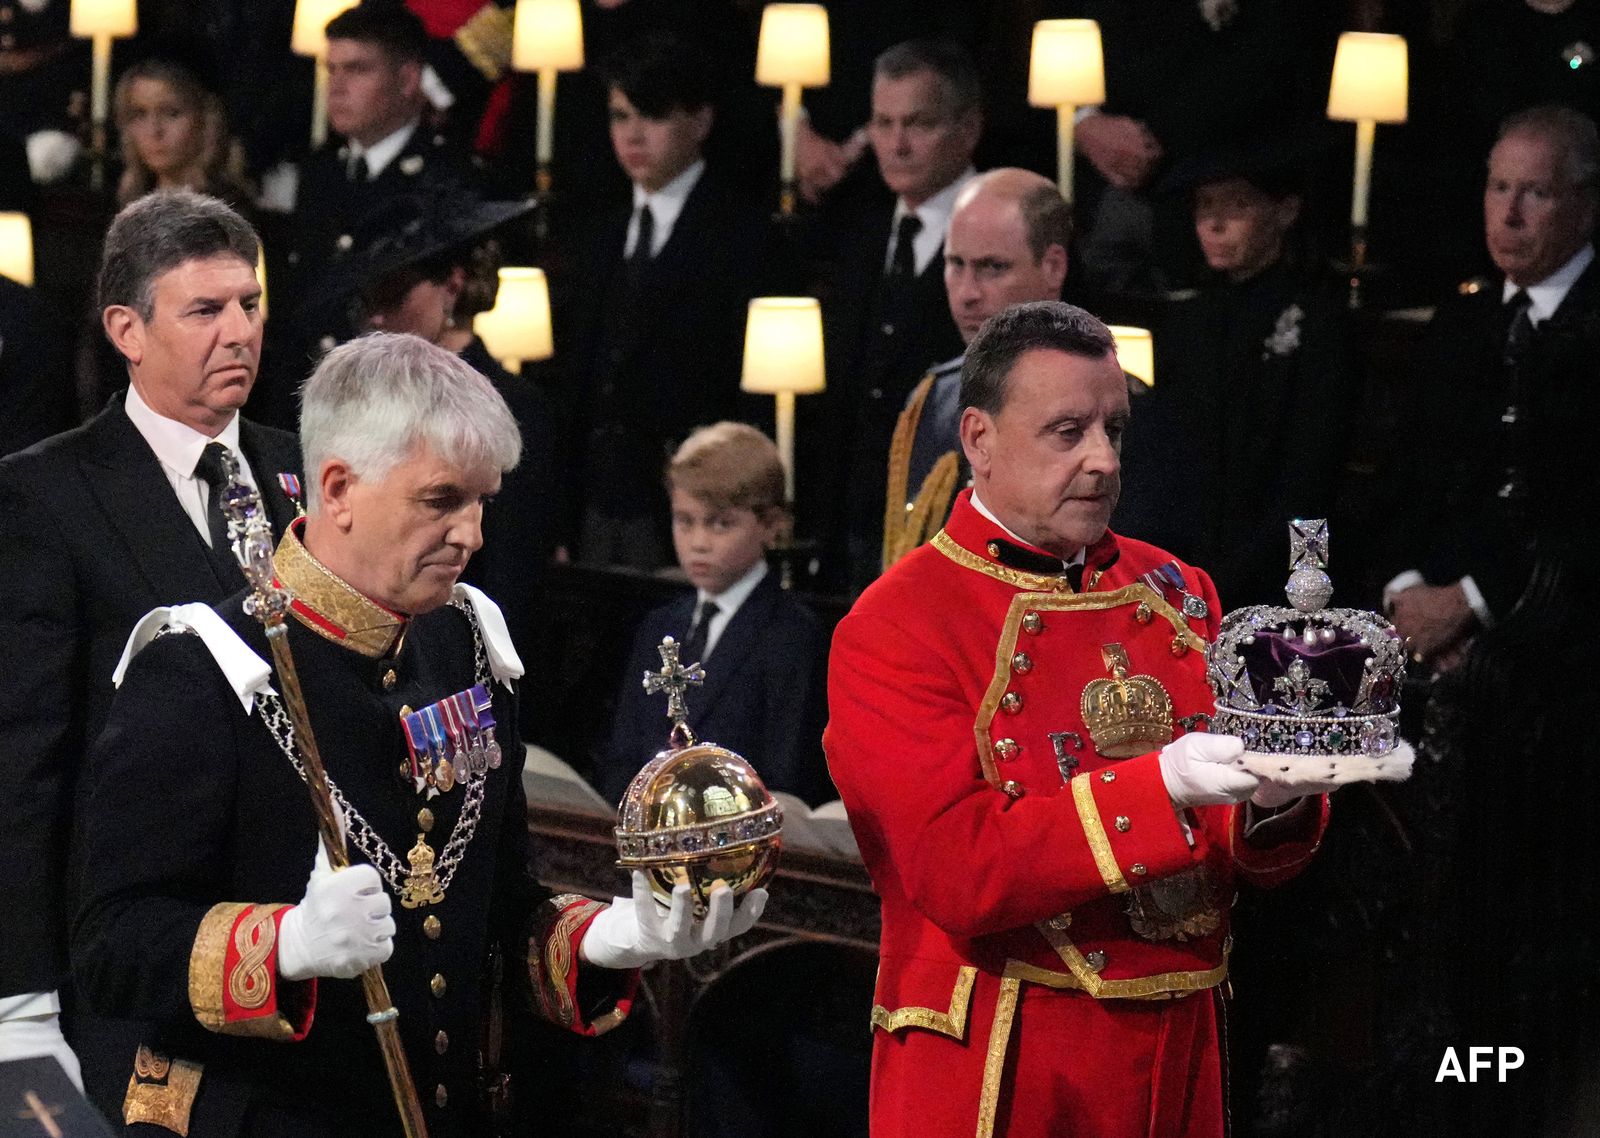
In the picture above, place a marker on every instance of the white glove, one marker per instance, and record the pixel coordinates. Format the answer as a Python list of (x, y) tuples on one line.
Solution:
[(1200, 770), (341, 927), (634, 931), (28, 1036)]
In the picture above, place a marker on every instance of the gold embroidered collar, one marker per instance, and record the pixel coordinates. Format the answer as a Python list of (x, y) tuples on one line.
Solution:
[(330, 607)]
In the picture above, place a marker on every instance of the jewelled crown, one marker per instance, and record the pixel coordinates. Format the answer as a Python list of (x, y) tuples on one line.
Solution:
[(697, 812), (1308, 680)]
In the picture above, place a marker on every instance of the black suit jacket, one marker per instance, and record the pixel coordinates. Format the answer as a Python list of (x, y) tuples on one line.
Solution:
[(663, 357), (91, 538), (873, 363), (762, 697), (1451, 520)]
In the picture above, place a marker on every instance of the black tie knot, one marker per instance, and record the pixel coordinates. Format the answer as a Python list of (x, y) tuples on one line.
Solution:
[(904, 262), (212, 468), (644, 246), (694, 645), (1519, 326)]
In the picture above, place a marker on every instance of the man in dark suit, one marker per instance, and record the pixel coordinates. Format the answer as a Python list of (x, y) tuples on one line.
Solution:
[(1495, 539), (763, 651), (888, 321), (1500, 480), (376, 55), (658, 330), (97, 526)]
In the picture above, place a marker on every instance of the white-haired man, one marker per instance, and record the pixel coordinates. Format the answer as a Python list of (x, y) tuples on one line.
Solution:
[(410, 681)]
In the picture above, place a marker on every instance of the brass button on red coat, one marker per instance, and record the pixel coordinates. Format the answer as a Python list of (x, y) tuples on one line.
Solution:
[(1013, 789), (1138, 869), (1022, 663), (1108, 776), (1179, 646), (1144, 614), (1096, 960), (994, 549), (1011, 703), (1007, 749), (1124, 823), (1032, 623)]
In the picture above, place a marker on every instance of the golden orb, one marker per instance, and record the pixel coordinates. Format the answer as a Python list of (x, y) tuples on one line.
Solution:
[(699, 814)]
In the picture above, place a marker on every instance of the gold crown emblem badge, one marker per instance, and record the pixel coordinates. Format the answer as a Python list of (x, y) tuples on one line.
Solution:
[(1127, 715)]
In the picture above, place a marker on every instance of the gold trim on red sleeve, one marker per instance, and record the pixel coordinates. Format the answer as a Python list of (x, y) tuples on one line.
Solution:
[(550, 963), (951, 1022), (208, 961), (1094, 832)]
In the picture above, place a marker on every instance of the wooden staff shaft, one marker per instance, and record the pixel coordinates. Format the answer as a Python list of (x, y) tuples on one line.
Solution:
[(382, 1014)]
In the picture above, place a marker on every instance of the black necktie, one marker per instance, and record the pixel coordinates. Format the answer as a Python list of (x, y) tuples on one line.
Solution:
[(643, 247), (694, 646), (1519, 327), (357, 171), (903, 264), (210, 470)]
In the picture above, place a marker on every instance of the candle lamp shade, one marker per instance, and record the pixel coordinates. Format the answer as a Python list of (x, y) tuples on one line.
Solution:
[(794, 46), (517, 328), (311, 19), (1135, 352), (1066, 67), (547, 35), (116, 18), (783, 346), (1370, 78), (16, 247)]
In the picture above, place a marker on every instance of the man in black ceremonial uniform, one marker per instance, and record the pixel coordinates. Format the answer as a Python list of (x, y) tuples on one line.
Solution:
[(237, 943), (97, 525)]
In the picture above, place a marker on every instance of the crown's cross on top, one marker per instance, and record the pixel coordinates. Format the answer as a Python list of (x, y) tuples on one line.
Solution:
[(675, 679), (1308, 543), (1301, 691)]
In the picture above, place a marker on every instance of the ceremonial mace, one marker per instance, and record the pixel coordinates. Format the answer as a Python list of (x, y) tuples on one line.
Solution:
[(251, 535)]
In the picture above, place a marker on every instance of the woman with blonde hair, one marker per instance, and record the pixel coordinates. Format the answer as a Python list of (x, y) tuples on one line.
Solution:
[(174, 134)]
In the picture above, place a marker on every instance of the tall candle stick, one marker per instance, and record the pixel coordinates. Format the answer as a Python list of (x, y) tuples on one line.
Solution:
[(545, 139), (1066, 120), (1366, 131)]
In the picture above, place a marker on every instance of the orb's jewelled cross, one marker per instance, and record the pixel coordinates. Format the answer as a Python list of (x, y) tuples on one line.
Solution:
[(1308, 543), (675, 680)]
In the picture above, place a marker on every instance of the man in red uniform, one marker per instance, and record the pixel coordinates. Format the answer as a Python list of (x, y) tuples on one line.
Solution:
[(1016, 730)]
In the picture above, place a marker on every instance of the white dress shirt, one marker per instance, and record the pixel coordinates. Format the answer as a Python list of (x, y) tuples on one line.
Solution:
[(384, 151), (665, 206), (935, 217), (728, 602), (178, 447)]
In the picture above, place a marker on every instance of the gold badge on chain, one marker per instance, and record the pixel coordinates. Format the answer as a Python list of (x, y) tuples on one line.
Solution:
[(422, 885)]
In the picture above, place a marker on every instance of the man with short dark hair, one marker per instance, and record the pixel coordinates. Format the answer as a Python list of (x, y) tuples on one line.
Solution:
[(1007, 244), (97, 526), (1055, 868), (384, 145), (665, 287)]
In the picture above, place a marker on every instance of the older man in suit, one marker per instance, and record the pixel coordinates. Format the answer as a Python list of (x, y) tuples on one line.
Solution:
[(97, 526)]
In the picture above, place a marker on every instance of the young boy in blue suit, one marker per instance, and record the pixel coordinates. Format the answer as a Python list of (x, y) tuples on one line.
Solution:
[(763, 652)]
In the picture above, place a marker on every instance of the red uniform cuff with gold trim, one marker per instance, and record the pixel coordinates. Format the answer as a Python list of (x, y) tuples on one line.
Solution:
[(1269, 861), (553, 969), (1129, 823), (234, 986)]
